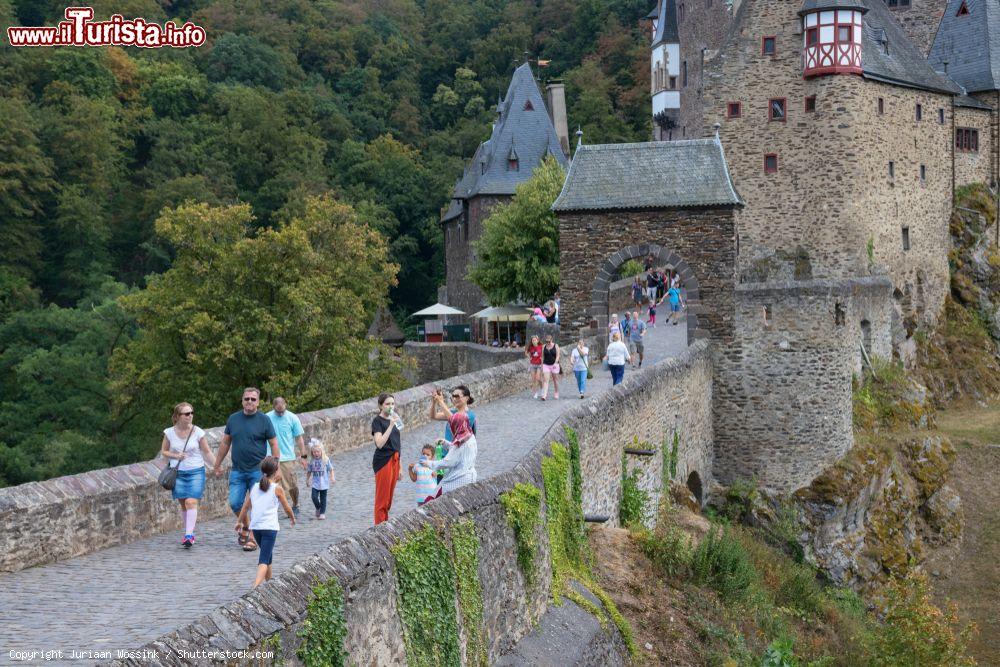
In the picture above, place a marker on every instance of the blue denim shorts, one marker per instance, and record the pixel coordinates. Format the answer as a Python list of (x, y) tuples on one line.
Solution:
[(239, 485), (190, 484), (265, 540)]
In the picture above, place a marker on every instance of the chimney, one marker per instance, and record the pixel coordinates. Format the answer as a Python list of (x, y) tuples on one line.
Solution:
[(555, 94)]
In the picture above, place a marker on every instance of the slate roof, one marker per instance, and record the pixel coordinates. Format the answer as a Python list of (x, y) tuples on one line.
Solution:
[(904, 64), (659, 174), (454, 208), (971, 103), (666, 23), (526, 133), (970, 45), (813, 5)]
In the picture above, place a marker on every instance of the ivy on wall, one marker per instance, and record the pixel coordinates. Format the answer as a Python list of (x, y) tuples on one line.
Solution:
[(635, 500), (522, 506), (669, 471), (465, 551), (563, 518), (425, 581), (324, 628)]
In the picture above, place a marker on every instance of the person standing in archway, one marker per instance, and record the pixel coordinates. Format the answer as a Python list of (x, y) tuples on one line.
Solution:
[(385, 462), (651, 280), (614, 327)]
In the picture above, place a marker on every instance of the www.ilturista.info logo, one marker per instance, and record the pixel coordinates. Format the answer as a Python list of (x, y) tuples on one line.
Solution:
[(79, 30)]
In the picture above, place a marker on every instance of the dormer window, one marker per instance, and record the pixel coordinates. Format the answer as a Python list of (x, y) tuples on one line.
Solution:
[(963, 10), (512, 164), (528, 106)]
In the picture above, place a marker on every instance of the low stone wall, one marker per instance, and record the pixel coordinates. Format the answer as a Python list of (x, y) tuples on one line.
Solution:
[(78, 514), (673, 394), (436, 361)]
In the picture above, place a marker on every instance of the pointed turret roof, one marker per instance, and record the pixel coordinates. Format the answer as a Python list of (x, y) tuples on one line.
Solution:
[(526, 125), (970, 44), (666, 23)]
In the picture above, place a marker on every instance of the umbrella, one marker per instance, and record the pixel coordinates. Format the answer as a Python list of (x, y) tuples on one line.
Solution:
[(509, 313), (439, 309)]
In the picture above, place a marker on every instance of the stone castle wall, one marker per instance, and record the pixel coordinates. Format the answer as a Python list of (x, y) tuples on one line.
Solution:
[(992, 98), (702, 30), (674, 394), (78, 514), (782, 390), (974, 167), (460, 234), (437, 361)]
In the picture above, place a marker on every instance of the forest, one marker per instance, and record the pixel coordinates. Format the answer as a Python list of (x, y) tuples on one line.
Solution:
[(178, 223)]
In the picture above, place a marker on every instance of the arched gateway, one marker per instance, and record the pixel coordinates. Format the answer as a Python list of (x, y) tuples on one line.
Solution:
[(671, 199)]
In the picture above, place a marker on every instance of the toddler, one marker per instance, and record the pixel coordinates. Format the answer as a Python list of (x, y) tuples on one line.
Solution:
[(424, 477), (319, 476), (652, 312)]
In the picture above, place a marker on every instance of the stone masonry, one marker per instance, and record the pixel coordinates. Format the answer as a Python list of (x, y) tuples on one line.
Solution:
[(436, 361), (974, 166), (920, 20), (459, 236)]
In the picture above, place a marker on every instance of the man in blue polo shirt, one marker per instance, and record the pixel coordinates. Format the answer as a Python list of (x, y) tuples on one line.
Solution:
[(250, 434), (292, 447)]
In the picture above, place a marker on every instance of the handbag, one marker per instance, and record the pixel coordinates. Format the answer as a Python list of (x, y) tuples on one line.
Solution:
[(168, 476)]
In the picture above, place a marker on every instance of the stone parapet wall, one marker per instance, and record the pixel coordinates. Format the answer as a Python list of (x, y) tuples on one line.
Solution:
[(783, 401), (436, 361), (78, 514), (672, 394)]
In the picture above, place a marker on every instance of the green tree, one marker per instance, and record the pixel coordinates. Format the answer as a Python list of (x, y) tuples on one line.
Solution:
[(57, 414), (286, 310), (518, 254)]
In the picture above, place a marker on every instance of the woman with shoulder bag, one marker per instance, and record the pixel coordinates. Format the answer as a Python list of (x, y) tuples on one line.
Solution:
[(186, 443)]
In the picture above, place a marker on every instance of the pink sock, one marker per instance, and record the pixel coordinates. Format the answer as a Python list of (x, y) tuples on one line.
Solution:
[(191, 516)]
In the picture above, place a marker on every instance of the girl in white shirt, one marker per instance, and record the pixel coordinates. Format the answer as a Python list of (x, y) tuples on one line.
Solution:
[(262, 505), (616, 356), (186, 443)]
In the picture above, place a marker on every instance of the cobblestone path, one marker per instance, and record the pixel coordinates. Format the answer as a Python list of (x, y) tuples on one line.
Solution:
[(125, 596)]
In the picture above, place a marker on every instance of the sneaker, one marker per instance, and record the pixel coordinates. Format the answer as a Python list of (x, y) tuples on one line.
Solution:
[(295, 511), (322, 517), (543, 398), (536, 395), (556, 396), (187, 541), (581, 397)]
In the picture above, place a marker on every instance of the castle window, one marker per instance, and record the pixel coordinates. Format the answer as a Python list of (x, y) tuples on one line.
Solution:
[(839, 316), (673, 83), (920, 112), (810, 104), (776, 109), (528, 106), (923, 173), (767, 315), (512, 164), (896, 4), (812, 37), (966, 140), (771, 163), (963, 10), (892, 169), (767, 46), (684, 74), (680, 12), (734, 110), (906, 238), (881, 106), (844, 34), (941, 116)]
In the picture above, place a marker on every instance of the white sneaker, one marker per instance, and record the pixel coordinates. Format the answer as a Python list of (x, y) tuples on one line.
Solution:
[(536, 395)]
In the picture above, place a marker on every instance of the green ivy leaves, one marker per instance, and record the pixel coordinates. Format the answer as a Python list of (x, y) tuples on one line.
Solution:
[(465, 550), (324, 628), (522, 505)]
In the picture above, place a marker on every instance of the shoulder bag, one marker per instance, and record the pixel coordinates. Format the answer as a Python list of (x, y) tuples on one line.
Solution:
[(168, 476)]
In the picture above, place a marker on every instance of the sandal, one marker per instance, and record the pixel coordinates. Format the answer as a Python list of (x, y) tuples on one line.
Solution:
[(250, 545), (242, 536)]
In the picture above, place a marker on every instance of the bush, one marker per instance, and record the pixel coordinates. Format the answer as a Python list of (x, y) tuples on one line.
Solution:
[(635, 501), (721, 562), (630, 269), (670, 550)]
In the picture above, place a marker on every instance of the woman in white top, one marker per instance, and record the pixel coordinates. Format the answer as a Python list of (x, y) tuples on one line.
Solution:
[(617, 355), (262, 504), (461, 459), (614, 326), (185, 443), (580, 358)]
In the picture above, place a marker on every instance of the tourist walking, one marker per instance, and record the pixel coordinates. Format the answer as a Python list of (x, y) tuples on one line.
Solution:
[(614, 327), (251, 436), (186, 443), (674, 297), (291, 446), (652, 313), (616, 357), (637, 292), (319, 476), (651, 280), (262, 506), (550, 367), (385, 462), (580, 358), (626, 324), (636, 334), (533, 351)]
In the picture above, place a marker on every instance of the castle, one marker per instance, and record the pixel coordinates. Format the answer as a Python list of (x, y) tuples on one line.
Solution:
[(801, 176)]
